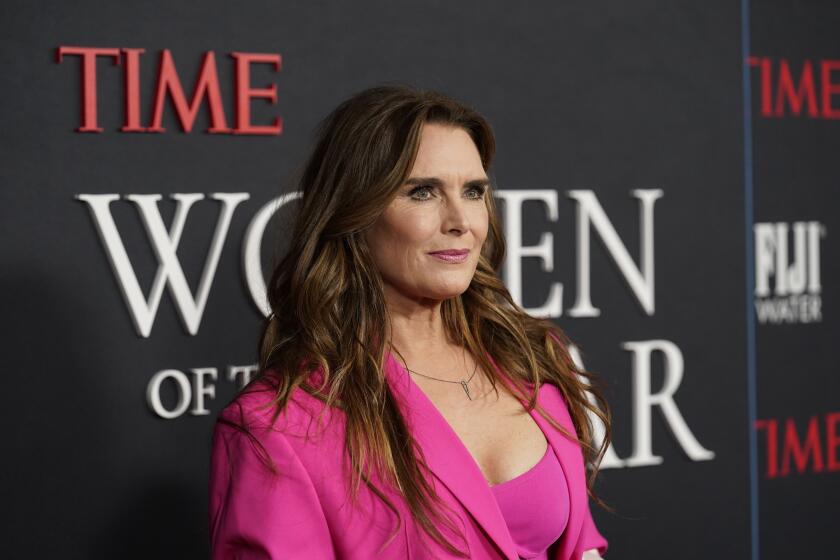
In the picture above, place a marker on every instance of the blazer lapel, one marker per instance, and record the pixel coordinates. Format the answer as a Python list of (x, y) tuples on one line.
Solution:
[(571, 459), (452, 464)]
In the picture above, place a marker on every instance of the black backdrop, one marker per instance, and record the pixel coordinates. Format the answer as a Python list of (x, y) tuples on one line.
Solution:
[(640, 126)]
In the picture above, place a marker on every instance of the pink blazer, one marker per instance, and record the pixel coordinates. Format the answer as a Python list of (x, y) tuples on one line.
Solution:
[(305, 512)]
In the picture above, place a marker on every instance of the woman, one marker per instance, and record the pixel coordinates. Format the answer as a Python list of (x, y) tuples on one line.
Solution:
[(394, 416)]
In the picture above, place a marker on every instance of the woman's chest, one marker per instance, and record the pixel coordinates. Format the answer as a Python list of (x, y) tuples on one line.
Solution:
[(502, 437)]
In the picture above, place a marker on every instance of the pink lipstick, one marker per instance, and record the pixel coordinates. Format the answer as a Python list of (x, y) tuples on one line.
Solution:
[(451, 255)]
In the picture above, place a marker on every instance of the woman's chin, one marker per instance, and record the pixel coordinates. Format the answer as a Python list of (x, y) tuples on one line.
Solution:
[(449, 291)]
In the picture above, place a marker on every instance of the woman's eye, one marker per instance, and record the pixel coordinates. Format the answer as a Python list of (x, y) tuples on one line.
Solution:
[(421, 189), (479, 192)]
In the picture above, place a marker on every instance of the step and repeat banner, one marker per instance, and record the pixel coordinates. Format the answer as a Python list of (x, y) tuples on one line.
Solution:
[(667, 176)]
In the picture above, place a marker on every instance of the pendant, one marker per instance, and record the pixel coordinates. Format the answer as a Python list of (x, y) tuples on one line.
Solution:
[(466, 388)]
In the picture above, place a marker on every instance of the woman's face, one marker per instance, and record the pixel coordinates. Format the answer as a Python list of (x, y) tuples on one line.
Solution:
[(441, 207)]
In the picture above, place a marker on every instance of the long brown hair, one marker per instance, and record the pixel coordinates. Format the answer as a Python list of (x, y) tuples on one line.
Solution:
[(328, 310)]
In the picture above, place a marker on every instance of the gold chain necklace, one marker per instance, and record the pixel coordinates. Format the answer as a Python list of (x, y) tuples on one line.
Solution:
[(462, 383)]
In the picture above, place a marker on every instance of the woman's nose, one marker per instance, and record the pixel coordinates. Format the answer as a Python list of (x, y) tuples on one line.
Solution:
[(456, 216)]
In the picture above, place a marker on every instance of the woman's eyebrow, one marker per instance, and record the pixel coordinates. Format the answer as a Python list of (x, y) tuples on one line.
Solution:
[(434, 181)]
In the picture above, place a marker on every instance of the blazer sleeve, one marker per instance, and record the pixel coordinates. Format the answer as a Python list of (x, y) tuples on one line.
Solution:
[(255, 514), (590, 537)]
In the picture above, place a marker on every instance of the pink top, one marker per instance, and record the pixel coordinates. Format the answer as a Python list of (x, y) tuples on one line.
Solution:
[(535, 506), (302, 510)]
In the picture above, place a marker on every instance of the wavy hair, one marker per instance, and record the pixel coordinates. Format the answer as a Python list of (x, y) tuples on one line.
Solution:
[(328, 311)]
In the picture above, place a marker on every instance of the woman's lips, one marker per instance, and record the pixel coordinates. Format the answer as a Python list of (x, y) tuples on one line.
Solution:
[(452, 256)]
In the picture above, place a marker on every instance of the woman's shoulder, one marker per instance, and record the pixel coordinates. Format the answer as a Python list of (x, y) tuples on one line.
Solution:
[(256, 407)]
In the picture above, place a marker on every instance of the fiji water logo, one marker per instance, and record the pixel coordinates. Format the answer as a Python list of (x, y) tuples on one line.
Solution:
[(787, 272)]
